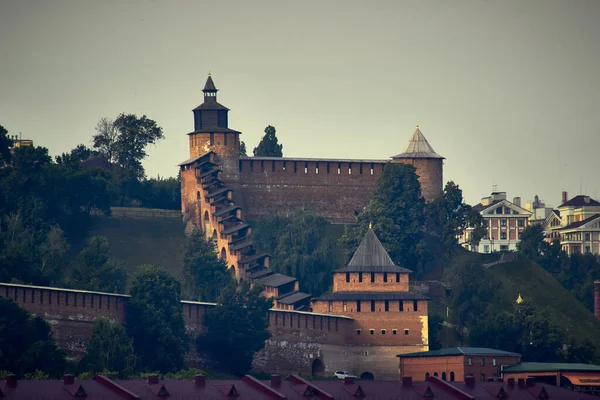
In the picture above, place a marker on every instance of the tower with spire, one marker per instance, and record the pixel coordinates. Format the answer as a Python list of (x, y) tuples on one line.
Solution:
[(428, 163), (212, 133)]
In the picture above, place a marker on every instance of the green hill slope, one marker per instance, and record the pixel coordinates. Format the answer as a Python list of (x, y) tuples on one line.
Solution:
[(540, 288), (141, 241)]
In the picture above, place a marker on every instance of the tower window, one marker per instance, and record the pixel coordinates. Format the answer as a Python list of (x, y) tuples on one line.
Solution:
[(383, 331), (406, 331), (401, 305), (415, 305), (330, 308), (358, 331), (357, 305), (372, 331), (372, 305), (372, 276), (360, 276), (385, 276), (394, 331), (387, 305), (344, 306), (397, 277)]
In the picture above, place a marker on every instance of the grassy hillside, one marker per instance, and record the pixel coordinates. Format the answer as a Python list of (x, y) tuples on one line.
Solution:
[(540, 288), (136, 242)]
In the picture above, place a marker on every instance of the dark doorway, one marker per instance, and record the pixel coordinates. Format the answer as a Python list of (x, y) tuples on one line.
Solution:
[(367, 376), (318, 368)]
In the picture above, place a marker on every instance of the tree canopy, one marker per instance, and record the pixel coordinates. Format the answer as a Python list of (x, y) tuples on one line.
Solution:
[(109, 349), (206, 274), (236, 329), (243, 151), (96, 271), (155, 320), (5, 146), (396, 213), (301, 246), (26, 343), (269, 145)]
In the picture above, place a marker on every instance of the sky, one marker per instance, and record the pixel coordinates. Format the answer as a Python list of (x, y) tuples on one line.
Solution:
[(508, 91)]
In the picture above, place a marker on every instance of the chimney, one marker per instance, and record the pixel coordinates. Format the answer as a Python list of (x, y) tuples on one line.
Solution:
[(152, 379), (517, 201), (68, 379), (200, 380), (530, 381), (348, 380), (597, 299), (521, 382), (275, 380), (511, 382), (564, 197), (11, 381), (407, 381), (470, 381)]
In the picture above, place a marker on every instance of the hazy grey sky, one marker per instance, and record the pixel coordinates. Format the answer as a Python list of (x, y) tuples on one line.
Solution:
[(507, 91)]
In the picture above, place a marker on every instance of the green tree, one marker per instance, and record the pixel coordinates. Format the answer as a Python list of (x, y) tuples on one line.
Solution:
[(72, 159), (125, 140), (532, 244), (396, 213), (206, 274), (96, 271), (269, 145), (243, 151), (5, 146), (109, 349), (155, 321), (448, 216), (53, 251), (26, 343), (236, 329), (301, 247)]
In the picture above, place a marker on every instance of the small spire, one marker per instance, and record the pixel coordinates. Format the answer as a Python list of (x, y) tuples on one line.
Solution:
[(370, 225), (209, 75), (519, 299), (417, 124)]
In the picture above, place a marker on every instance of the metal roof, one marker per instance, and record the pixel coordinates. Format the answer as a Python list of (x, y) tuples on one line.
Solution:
[(293, 297), (275, 280), (418, 147), (234, 228), (457, 351), (551, 367)]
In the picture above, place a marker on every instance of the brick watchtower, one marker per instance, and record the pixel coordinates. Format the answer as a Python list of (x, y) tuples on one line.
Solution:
[(428, 163), (212, 133)]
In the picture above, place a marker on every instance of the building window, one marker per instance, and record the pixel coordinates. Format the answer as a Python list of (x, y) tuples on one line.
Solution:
[(372, 276), (482, 377), (482, 362), (435, 374), (397, 277), (344, 306), (503, 247), (401, 305), (502, 235), (360, 276), (426, 375), (451, 376), (443, 376), (486, 248), (372, 331), (470, 361), (502, 221), (394, 331), (406, 331), (372, 305), (494, 362), (520, 222), (587, 237), (357, 305), (383, 331), (347, 276), (358, 331), (385, 276), (587, 249), (415, 305), (330, 306), (387, 305)]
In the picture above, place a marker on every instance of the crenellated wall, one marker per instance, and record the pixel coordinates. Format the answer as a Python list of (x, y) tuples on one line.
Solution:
[(334, 189)]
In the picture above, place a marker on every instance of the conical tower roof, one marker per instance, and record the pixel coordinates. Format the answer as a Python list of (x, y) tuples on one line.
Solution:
[(371, 257), (418, 147), (210, 85)]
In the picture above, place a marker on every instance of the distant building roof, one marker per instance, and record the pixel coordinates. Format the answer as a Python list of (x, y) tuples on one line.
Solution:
[(418, 147), (292, 159), (193, 159), (577, 224), (372, 296), (209, 86), (275, 280), (370, 256), (457, 351), (580, 201), (550, 367)]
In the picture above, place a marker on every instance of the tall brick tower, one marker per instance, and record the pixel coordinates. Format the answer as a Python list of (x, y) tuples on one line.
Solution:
[(428, 163), (211, 133)]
